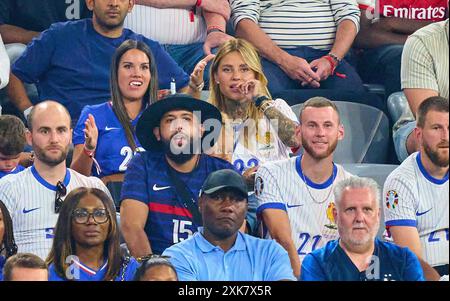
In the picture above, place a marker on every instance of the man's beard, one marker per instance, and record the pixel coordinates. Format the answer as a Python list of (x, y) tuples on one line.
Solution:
[(110, 26), (308, 148), (183, 154), (42, 156), (438, 160)]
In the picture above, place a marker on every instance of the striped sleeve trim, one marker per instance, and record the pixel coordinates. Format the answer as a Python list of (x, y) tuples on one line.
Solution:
[(402, 222), (265, 206), (241, 10)]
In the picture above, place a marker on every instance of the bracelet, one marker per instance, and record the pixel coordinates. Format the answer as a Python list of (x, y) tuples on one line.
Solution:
[(88, 152), (196, 88), (335, 58), (266, 105), (198, 3), (214, 29), (332, 63), (258, 100)]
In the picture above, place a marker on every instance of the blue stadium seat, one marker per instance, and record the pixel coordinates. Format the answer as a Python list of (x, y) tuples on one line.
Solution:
[(366, 138), (378, 172), (397, 104)]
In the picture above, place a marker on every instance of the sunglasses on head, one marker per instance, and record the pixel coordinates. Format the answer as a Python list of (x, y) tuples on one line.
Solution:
[(61, 192)]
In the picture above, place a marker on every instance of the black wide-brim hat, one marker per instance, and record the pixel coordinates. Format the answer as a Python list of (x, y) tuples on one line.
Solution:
[(151, 118)]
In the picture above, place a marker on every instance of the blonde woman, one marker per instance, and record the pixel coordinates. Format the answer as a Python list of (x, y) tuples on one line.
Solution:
[(256, 129)]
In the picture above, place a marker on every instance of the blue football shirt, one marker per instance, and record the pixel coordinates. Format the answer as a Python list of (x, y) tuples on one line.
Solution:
[(113, 152), (147, 181)]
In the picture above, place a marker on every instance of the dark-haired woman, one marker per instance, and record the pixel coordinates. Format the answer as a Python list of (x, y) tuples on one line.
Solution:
[(104, 136), (8, 247), (86, 244)]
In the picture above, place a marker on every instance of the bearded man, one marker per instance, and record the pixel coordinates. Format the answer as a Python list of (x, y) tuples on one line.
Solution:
[(417, 202), (35, 195), (159, 201), (295, 195)]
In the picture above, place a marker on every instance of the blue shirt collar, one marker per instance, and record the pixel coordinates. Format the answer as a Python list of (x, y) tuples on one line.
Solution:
[(427, 175), (309, 182), (41, 180), (206, 247)]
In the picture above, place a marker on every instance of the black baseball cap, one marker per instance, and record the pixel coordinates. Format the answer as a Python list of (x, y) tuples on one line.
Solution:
[(224, 178)]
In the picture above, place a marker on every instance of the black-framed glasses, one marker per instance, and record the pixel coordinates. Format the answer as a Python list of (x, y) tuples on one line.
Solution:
[(82, 215), (61, 192)]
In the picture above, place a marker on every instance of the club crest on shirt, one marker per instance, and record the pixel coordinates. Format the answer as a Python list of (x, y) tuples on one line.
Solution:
[(259, 186), (332, 224), (391, 199)]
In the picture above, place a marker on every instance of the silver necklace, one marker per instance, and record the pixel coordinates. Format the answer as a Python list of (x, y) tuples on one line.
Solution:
[(309, 192)]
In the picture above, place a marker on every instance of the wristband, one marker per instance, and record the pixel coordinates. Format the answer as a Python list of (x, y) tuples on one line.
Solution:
[(337, 60), (214, 29), (198, 3), (266, 105), (332, 63), (258, 100), (88, 152)]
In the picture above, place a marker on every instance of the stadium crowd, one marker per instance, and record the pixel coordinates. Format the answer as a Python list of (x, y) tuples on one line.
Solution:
[(154, 140)]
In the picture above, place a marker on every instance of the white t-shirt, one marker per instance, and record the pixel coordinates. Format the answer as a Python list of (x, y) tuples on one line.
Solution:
[(167, 25), (31, 203), (309, 206), (414, 198)]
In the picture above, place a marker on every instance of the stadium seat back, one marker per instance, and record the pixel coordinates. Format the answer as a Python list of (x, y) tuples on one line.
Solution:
[(397, 104), (378, 172), (366, 138)]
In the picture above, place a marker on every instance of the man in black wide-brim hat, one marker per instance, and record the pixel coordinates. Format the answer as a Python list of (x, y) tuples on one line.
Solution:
[(161, 187)]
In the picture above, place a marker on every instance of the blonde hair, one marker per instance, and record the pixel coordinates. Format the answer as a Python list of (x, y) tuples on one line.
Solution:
[(251, 58)]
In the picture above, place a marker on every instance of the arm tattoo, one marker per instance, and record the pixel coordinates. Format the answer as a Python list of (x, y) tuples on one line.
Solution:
[(286, 127)]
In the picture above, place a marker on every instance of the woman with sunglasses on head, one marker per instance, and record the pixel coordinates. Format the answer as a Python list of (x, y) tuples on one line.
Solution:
[(104, 137), (86, 244), (8, 247)]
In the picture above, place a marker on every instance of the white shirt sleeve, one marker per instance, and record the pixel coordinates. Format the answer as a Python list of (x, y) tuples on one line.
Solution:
[(4, 65), (267, 191), (399, 203), (284, 108)]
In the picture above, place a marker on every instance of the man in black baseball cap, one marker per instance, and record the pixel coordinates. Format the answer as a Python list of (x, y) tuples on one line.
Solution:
[(161, 187), (219, 251)]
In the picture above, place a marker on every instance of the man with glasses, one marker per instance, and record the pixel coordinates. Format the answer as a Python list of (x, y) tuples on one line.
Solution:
[(34, 196)]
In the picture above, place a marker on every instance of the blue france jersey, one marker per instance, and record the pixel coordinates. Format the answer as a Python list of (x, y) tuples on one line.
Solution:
[(80, 272), (389, 263), (147, 181), (18, 169), (113, 152)]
